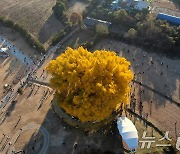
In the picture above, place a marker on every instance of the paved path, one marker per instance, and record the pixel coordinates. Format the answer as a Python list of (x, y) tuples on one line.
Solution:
[(29, 126), (16, 52), (46, 140)]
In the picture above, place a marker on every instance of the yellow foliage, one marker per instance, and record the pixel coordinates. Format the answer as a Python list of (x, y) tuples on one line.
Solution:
[(90, 86)]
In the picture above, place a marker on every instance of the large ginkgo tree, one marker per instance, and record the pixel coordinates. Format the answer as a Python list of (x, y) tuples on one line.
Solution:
[(90, 85)]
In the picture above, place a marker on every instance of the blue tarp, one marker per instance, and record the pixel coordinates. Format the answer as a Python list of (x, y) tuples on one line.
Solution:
[(171, 19)]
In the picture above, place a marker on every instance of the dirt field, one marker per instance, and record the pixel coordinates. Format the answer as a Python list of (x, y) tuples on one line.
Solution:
[(10, 69), (163, 75), (35, 15), (166, 6)]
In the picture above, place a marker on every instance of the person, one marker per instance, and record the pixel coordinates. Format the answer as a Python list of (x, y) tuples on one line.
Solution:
[(75, 145)]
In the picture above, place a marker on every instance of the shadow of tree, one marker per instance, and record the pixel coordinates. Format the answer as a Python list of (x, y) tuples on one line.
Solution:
[(63, 138), (52, 26)]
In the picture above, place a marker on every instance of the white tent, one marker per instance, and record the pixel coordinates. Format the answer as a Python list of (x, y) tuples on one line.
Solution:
[(3, 49), (128, 132)]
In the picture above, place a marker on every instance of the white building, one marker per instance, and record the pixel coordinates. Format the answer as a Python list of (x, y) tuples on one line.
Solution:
[(141, 5)]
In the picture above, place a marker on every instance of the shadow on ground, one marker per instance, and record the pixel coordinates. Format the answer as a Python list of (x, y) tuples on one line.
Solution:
[(52, 26), (65, 139)]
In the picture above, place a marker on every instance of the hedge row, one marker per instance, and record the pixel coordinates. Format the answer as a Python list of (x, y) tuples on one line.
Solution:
[(62, 33), (29, 38), (56, 38)]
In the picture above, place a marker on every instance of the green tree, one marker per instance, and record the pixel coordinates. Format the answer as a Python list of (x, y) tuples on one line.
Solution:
[(102, 30), (120, 15), (59, 9), (132, 33)]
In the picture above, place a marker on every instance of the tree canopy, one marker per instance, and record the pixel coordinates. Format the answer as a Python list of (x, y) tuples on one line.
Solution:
[(90, 86), (120, 15), (102, 29)]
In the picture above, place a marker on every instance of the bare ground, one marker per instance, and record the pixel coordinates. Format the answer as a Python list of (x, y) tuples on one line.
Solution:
[(163, 75), (10, 69)]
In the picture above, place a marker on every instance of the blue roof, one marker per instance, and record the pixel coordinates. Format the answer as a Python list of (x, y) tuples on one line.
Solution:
[(171, 19)]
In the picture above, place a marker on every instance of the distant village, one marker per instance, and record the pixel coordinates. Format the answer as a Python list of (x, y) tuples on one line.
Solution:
[(130, 4)]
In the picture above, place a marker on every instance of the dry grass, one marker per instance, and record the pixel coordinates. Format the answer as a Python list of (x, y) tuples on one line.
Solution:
[(35, 15)]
